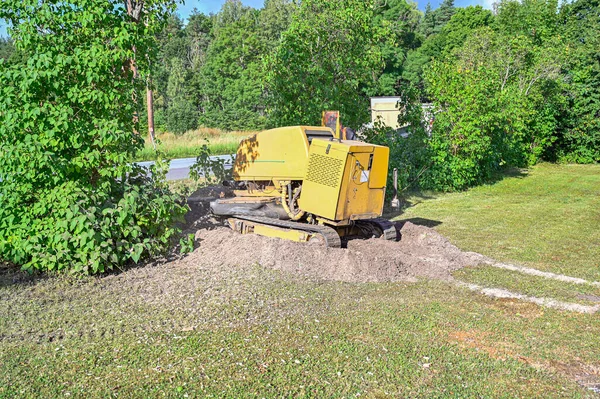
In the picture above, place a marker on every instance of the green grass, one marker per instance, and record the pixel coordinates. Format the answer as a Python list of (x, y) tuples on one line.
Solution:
[(189, 145), (198, 330), (547, 218), (488, 276)]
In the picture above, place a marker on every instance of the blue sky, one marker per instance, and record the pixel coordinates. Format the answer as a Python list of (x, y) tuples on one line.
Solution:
[(208, 6)]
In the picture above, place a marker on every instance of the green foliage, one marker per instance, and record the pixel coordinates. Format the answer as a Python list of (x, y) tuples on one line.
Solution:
[(326, 60), (427, 25), (434, 20), (230, 83), (497, 100), (210, 170), (450, 36), (6, 48), (69, 197), (274, 19), (443, 14), (181, 115), (187, 244), (182, 51), (581, 140), (399, 19), (535, 19)]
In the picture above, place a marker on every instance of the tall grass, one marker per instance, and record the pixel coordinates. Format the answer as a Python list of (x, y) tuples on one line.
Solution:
[(188, 145)]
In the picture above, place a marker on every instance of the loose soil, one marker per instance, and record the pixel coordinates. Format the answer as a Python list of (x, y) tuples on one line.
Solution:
[(421, 252)]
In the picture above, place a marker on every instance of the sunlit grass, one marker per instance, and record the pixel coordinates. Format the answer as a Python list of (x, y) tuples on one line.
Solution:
[(195, 329), (188, 145), (547, 218)]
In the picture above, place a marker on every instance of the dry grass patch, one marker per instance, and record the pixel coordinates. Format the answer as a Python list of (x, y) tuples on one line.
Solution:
[(189, 144)]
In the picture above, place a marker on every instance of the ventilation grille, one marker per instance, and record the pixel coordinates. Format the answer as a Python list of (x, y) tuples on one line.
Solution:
[(324, 170)]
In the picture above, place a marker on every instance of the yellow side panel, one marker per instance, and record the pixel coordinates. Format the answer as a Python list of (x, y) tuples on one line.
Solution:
[(345, 180), (321, 187), (358, 199), (379, 169), (292, 235), (277, 154)]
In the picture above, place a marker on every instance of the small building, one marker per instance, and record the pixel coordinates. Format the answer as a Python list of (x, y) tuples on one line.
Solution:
[(387, 109)]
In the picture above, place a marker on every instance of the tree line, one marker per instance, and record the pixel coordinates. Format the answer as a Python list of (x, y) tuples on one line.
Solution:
[(509, 86)]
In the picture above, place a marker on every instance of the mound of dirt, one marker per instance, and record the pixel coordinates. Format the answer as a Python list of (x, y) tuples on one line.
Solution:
[(199, 202), (422, 252)]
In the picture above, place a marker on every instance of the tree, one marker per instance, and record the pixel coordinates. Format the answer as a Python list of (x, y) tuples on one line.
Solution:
[(230, 82), (69, 196), (326, 60), (274, 19), (434, 20), (198, 33), (443, 15), (427, 25), (581, 140), (400, 19), (535, 19), (497, 102), (180, 115), (175, 111), (182, 54), (451, 36)]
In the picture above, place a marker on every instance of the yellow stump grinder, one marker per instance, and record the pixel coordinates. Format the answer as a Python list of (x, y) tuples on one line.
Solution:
[(304, 184)]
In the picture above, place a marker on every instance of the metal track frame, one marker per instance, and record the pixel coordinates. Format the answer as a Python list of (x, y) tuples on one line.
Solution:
[(330, 236)]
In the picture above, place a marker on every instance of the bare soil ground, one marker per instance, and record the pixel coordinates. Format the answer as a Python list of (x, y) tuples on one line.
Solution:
[(421, 252)]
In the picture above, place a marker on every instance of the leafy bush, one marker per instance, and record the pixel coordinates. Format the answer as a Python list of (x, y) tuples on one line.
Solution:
[(580, 142), (210, 170), (69, 197), (409, 152), (497, 102)]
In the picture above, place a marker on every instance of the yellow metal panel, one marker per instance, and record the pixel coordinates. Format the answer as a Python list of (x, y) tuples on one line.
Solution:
[(345, 180), (379, 169), (273, 154), (292, 235), (276, 154), (357, 199), (321, 187)]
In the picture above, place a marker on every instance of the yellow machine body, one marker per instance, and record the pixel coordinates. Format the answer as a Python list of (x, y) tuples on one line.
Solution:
[(276, 154), (342, 181), (345, 180)]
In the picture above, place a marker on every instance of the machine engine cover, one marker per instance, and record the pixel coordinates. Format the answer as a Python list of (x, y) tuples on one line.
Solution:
[(345, 180)]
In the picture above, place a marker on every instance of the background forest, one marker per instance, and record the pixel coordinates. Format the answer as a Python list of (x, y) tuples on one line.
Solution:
[(509, 86)]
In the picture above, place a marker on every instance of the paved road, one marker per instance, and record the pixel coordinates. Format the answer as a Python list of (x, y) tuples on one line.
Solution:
[(180, 168)]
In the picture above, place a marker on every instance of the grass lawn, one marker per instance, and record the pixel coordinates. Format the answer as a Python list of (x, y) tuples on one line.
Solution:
[(188, 145), (547, 219), (169, 331)]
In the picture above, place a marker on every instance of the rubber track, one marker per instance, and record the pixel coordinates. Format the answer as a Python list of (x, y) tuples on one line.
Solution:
[(332, 239), (388, 228)]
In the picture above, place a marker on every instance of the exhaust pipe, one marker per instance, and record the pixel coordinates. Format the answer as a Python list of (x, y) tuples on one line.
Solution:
[(395, 201)]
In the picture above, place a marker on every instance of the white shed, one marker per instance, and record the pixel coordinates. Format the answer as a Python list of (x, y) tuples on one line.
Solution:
[(387, 109)]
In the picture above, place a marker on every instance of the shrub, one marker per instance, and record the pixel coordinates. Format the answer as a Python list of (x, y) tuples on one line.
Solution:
[(69, 197), (409, 152)]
